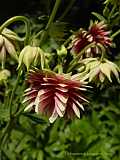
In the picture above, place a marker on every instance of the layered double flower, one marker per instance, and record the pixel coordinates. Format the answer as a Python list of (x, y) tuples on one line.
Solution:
[(96, 34), (54, 95)]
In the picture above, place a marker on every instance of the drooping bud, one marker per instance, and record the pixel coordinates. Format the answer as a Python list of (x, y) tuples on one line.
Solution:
[(4, 75), (10, 35), (30, 56), (6, 46), (62, 52)]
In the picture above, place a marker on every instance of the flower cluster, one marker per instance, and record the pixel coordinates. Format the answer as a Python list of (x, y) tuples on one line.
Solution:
[(54, 95)]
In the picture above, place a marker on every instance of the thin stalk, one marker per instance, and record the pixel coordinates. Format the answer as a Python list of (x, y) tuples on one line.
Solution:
[(73, 63), (18, 18), (102, 51), (115, 34), (70, 4), (2, 138), (13, 92), (51, 19)]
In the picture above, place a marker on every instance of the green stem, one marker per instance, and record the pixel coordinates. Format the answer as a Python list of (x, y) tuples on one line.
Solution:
[(115, 34), (3, 135), (18, 18), (102, 51), (13, 92), (73, 63), (67, 41), (70, 4), (111, 13), (9, 124), (51, 19)]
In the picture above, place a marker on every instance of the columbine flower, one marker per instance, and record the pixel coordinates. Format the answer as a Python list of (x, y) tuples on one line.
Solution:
[(80, 40), (98, 71), (54, 95), (96, 34), (99, 33)]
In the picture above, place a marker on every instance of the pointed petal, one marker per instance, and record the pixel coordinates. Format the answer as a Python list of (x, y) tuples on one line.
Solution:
[(53, 116), (61, 105), (60, 113), (105, 69), (63, 98), (78, 103), (76, 110), (29, 106)]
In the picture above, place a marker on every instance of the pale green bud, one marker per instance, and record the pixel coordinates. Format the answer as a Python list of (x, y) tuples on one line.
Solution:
[(10, 35), (62, 51), (29, 55), (1, 40), (2, 54), (10, 48), (4, 75), (6, 46)]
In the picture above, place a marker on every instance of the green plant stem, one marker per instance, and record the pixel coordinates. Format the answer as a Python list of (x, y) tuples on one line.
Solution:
[(102, 51), (67, 41), (18, 18), (73, 63), (13, 92), (11, 121), (70, 4), (51, 19), (6, 132), (115, 34)]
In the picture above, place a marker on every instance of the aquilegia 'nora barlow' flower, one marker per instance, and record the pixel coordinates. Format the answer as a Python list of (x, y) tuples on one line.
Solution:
[(99, 33), (80, 40), (96, 34), (54, 95)]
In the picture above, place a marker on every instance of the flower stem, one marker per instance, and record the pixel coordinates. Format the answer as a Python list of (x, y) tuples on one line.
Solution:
[(51, 19), (13, 92), (73, 63), (18, 18), (70, 4), (102, 51)]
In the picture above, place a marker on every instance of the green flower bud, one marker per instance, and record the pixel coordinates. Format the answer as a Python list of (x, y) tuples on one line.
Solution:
[(10, 35), (2, 54), (10, 48), (29, 55), (1, 40), (4, 75), (62, 52), (6, 46)]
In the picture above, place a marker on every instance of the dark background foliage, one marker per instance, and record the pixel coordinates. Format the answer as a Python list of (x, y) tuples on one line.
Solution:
[(78, 15)]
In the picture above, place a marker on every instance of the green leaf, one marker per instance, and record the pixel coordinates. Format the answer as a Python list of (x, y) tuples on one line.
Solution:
[(99, 16), (34, 118)]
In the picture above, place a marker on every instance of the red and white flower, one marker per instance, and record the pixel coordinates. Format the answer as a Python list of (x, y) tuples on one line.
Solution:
[(54, 95), (99, 33), (96, 34)]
